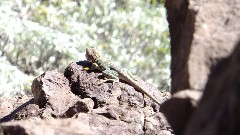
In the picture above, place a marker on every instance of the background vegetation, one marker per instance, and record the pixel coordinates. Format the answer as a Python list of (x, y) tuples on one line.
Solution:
[(40, 35)]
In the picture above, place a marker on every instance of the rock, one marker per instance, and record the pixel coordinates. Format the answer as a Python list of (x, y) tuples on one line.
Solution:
[(219, 110), (9, 107), (28, 112), (202, 33), (88, 84), (117, 103), (153, 123), (51, 90), (78, 95), (46, 127), (103, 125), (178, 108), (80, 105)]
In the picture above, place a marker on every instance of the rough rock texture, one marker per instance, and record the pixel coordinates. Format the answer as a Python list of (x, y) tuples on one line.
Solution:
[(120, 103), (203, 34), (219, 110), (103, 108), (9, 107), (52, 90)]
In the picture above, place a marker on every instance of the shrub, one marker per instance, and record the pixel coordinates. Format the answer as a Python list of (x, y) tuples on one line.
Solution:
[(43, 35)]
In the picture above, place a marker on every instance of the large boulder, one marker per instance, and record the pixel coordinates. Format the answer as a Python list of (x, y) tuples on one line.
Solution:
[(203, 34)]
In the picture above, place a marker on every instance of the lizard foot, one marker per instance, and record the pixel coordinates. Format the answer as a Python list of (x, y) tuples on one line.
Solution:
[(109, 80), (86, 68)]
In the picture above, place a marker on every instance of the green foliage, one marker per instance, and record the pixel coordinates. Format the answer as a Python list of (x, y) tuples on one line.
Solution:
[(42, 35)]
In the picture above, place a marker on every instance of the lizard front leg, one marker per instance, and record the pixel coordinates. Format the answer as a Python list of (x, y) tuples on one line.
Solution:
[(110, 75)]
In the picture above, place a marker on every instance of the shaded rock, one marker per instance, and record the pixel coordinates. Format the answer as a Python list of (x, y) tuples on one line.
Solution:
[(181, 21), (30, 111), (46, 127), (203, 33), (80, 105), (219, 110), (10, 106), (179, 107)]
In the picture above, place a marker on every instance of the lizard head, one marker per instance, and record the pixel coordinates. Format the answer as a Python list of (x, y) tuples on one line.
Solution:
[(92, 54)]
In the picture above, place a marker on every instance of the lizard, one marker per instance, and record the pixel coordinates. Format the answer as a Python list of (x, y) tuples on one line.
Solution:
[(114, 73)]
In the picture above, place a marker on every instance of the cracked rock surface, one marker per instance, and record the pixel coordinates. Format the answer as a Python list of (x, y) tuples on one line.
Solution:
[(76, 102)]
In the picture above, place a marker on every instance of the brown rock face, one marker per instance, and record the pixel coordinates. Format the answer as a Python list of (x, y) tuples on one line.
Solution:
[(204, 36), (202, 33), (52, 89), (181, 26), (219, 110), (103, 108)]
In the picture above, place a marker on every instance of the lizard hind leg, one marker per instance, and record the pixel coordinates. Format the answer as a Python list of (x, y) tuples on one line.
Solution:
[(109, 80)]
